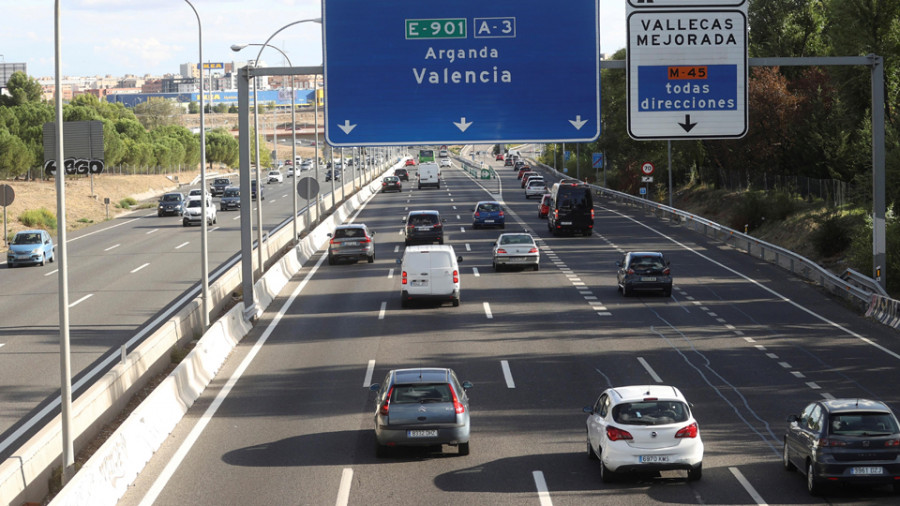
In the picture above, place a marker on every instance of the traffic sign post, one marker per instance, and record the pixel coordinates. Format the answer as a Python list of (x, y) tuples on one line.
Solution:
[(687, 69), (429, 72)]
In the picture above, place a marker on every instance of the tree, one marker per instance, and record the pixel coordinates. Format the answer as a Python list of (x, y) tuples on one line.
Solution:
[(193, 107), (190, 143), (15, 157), (22, 89), (157, 112), (221, 147)]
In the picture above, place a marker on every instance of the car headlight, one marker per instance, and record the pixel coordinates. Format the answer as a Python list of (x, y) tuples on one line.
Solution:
[(36, 251), (177, 207)]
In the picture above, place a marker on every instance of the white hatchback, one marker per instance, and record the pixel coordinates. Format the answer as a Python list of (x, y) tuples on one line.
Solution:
[(643, 428)]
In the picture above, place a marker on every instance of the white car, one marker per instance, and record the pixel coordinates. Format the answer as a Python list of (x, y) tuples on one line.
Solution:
[(535, 187), (516, 249), (643, 428), (306, 165), (289, 172), (275, 177), (197, 193), (445, 162), (193, 212)]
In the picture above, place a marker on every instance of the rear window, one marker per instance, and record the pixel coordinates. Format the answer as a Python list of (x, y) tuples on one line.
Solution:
[(489, 208), (646, 262), (516, 239), (343, 233), (650, 412), (422, 219), (862, 424), (421, 393), (574, 197)]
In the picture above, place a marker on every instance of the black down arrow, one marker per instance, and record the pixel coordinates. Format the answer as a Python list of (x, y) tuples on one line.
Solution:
[(687, 125)]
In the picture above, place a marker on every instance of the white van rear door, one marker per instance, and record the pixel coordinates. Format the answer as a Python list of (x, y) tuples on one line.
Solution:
[(441, 273)]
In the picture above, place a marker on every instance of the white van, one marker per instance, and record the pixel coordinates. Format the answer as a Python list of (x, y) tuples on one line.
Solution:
[(429, 272), (429, 175)]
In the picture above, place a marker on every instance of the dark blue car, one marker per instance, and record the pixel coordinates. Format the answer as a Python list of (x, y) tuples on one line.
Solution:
[(488, 213)]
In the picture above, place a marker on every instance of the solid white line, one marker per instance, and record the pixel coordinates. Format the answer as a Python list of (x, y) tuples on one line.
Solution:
[(381, 312), (107, 228), (397, 248), (182, 245), (650, 370), (79, 301), (487, 310), (343, 497), (541, 484), (475, 272), (151, 231), (391, 274), (747, 486), (112, 247), (139, 268), (54, 271), (370, 369), (507, 374)]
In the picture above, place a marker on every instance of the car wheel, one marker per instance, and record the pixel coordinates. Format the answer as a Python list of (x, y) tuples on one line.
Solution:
[(695, 473), (10, 265), (626, 292), (403, 302), (43, 259), (215, 220), (381, 451), (502, 226), (813, 484), (184, 223), (537, 267), (221, 208), (786, 459), (667, 292), (464, 448), (406, 242), (441, 240), (456, 304), (606, 476), (474, 226), (159, 215), (897, 488), (592, 455), (372, 258), (330, 260), (495, 266)]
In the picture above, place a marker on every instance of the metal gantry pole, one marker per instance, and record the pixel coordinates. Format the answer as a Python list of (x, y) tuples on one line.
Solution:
[(259, 190), (294, 153), (250, 310)]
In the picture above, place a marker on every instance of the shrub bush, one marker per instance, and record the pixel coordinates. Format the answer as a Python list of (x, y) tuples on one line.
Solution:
[(832, 237), (38, 218), (126, 203)]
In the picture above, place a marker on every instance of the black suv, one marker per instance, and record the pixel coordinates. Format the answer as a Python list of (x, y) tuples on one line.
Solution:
[(424, 227), (403, 174), (170, 203), (218, 186)]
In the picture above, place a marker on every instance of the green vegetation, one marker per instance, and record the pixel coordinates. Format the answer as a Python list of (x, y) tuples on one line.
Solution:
[(38, 218), (126, 203)]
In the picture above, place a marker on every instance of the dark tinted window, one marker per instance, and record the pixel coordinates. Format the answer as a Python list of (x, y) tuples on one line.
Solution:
[(650, 412), (646, 262), (232, 192), (434, 392), (222, 181), (574, 197), (423, 219), (862, 424), (27, 239), (171, 197), (195, 203), (489, 208), (342, 233)]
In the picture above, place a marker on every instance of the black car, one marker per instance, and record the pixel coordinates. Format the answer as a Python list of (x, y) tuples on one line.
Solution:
[(171, 204), (218, 186), (571, 208), (231, 199), (403, 174), (262, 192), (424, 227), (644, 271), (391, 184), (844, 440), (333, 173)]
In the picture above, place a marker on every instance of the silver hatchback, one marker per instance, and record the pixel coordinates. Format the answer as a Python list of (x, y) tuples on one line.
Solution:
[(421, 407), (351, 241)]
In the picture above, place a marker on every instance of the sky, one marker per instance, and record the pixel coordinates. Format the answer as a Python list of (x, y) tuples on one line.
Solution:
[(120, 37)]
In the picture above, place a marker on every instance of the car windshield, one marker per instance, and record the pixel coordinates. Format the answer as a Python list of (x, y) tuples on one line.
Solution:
[(222, 181), (646, 262), (195, 203), (343, 233), (421, 393), (274, 173), (650, 413), (30, 238), (195, 192), (863, 423), (233, 193), (171, 198), (516, 239)]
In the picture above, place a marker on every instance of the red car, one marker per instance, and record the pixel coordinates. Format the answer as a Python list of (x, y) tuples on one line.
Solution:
[(410, 161), (522, 170), (500, 157), (527, 175), (544, 206)]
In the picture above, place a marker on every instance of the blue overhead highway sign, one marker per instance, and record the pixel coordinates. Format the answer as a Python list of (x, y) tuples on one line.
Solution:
[(429, 72)]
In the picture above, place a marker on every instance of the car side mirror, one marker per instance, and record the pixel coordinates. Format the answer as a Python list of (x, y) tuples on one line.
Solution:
[(459, 259), (668, 263), (589, 410), (399, 261), (330, 234), (374, 387), (371, 232), (467, 385), (793, 419)]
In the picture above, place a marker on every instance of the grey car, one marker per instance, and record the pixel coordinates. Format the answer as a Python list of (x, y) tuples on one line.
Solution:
[(354, 241), (171, 204), (218, 186), (644, 271), (421, 407), (231, 199)]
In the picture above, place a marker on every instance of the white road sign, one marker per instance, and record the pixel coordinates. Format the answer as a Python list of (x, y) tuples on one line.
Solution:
[(647, 168), (687, 69)]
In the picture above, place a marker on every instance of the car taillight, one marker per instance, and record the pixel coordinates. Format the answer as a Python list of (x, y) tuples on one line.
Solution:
[(592, 213), (630, 271), (501, 251), (456, 276), (825, 443), (533, 250), (403, 278), (615, 434), (556, 214), (501, 214), (367, 239), (386, 406), (477, 214), (690, 431), (457, 406), (667, 271), (438, 225), (332, 241), (892, 442), (383, 184)]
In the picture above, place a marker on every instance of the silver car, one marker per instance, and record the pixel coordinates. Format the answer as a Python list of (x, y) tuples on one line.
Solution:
[(351, 241), (516, 249), (535, 187), (421, 407)]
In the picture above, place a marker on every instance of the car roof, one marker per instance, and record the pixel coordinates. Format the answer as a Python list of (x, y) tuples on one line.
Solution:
[(193, 197), (645, 253), (640, 392), (351, 225), (173, 193), (855, 404), (421, 375), (424, 211), (32, 231), (487, 202)]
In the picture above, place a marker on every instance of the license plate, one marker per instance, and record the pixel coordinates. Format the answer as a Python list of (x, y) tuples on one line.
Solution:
[(422, 433), (488, 221), (517, 260), (565, 223), (648, 278), (423, 229), (351, 243), (418, 283), (654, 458), (866, 471)]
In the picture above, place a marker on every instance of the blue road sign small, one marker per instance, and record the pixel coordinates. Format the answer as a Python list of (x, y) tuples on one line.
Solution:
[(432, 72), (597, 160), (643, 190)]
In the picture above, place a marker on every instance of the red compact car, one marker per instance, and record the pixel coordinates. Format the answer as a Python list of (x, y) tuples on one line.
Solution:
[(544, 206)]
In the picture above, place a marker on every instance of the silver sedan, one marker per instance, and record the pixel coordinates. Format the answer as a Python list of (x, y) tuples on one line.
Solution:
[(516, 249)]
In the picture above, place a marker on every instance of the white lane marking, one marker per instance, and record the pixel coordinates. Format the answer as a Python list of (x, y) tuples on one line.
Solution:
[(749, 339), (785, 365), (397, 248), (458, 217), (468, 247), (381, 312), (760, 347), (2, 344), (543, 493), (370, 369), (828, 396), (139, 268), (343, 497), (747, 486), (462, 229), (79, 301), (185, 243), (180, 454), (151, 231), (236, 218), (391, 274), (813, 385), (798, 374), (113, 247), (507, 374), (487, 310), (54, 271), (649, 370), (772, 356), (475, 272)]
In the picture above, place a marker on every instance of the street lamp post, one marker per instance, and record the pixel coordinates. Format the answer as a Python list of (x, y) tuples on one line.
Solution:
[(204, 247)]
